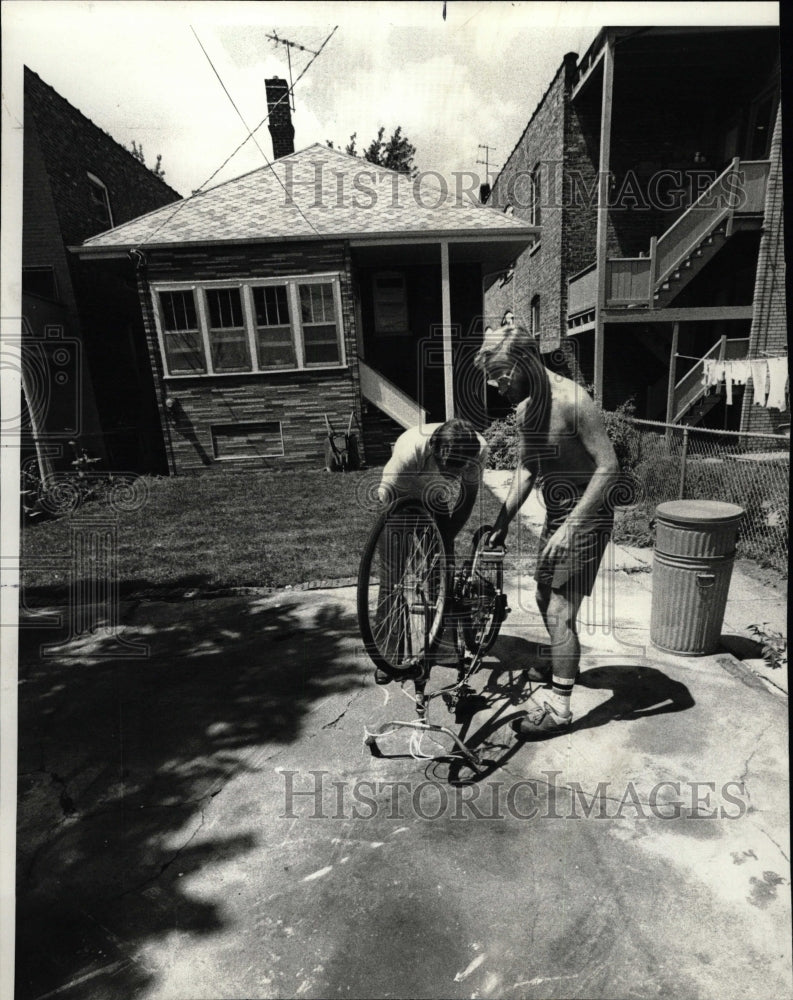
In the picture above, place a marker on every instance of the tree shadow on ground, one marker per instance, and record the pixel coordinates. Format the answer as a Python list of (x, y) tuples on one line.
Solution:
[(119, 756)]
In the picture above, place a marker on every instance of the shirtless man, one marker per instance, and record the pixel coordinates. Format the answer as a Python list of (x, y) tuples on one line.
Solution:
[(562, 440)]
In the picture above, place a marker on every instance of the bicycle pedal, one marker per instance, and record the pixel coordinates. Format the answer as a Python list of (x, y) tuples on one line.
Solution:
[(492, 555)]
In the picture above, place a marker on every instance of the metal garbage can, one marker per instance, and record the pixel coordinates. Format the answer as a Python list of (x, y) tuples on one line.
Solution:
[(692, 566)]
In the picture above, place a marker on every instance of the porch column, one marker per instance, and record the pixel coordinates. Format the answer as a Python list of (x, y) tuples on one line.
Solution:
[(446, 317), (604, 167)]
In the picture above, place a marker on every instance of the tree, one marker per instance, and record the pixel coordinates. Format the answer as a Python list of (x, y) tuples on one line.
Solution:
[(137, 152), (395, 154)]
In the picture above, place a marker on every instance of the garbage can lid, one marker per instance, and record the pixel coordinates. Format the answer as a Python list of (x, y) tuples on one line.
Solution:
[(698, 511)]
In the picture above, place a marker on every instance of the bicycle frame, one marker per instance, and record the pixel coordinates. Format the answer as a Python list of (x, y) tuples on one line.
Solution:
[(455, 617)]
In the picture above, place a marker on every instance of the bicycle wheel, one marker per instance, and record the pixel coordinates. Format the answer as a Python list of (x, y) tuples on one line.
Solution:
[(483, 598), (402, 588)]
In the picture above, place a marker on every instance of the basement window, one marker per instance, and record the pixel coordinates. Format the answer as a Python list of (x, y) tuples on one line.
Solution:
[(257, 439)]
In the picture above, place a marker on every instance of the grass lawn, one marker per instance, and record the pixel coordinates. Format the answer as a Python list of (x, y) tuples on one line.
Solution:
[(220, 530)]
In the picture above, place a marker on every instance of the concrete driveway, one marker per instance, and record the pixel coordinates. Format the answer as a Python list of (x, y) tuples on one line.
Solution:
[(204, 820)]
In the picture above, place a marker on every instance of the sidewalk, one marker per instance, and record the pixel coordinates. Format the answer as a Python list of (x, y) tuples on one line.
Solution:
[(749, 600)]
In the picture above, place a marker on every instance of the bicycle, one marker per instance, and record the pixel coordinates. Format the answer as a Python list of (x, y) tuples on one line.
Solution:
[(409, 594)]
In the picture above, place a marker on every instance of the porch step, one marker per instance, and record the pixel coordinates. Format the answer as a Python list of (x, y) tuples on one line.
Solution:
[(691, 266), (701, 409)]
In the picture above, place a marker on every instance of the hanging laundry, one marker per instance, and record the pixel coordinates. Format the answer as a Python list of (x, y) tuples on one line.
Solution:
[(728, 383), (741, 372), (759, 379), (777, 381), (709, 376)]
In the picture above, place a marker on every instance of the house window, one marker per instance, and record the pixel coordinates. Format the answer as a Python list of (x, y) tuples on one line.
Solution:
[(100, 201), (259, 325), (248, 440), (535, 316), (318, 317), (228, 338), (536, 197), (390, 304), (181, 337), (274, 345), (40, 281)]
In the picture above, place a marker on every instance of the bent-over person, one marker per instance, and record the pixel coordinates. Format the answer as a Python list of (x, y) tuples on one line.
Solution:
[(426, 465)]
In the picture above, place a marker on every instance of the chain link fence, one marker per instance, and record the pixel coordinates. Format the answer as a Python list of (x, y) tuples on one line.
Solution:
[(672, 462)]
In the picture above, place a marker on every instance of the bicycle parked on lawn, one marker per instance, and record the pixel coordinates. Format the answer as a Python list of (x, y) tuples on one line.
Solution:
[(410, 595)]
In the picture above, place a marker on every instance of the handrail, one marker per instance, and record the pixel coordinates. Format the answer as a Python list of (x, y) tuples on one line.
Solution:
[(700, 361), (392, 400), (727, 170), (685, 399), (582, 272)]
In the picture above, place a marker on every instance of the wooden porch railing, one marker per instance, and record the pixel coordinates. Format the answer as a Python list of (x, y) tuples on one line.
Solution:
[(582, 290), (633, 281), (738, 191)]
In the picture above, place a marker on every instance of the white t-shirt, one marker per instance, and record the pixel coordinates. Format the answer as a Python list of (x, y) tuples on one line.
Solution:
[(412, 470)]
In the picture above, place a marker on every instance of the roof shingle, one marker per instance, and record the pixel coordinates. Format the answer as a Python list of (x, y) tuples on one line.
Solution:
[(317, 193)]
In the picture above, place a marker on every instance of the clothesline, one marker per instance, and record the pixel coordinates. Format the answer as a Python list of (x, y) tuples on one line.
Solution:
[(769, 378)]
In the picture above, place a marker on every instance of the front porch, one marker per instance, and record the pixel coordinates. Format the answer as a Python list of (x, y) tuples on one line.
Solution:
[(419, 312)]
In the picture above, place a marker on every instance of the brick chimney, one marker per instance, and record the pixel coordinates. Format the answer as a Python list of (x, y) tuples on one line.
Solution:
[(280, 124)]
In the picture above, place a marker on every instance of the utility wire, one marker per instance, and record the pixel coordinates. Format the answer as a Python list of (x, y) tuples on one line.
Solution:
[(250, 135)]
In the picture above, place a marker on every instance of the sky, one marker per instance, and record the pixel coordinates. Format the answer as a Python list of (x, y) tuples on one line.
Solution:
[(138, 70)]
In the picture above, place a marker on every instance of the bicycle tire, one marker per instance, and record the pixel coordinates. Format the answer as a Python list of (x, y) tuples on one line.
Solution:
[(484, 598), (411, 626)]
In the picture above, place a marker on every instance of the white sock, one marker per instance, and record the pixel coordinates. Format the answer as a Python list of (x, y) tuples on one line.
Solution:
[(559, 695)]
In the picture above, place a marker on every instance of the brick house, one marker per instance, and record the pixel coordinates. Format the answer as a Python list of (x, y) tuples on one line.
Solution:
[(321, 285), (653, 166), (85, 371)]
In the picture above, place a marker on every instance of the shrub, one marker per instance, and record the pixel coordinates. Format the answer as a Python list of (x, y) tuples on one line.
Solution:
[(502, 440), (635, 527), (623, 434)]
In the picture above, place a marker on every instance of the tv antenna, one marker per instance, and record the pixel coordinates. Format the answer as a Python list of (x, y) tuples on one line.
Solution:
[(486, 162), (289, 45)]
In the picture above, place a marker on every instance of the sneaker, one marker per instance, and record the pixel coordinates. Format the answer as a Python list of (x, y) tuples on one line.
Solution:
[(381, 677), (541, 721)]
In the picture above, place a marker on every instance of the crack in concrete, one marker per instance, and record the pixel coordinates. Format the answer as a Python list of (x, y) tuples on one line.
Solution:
[(164, 866), (768, 836), (348, 706)]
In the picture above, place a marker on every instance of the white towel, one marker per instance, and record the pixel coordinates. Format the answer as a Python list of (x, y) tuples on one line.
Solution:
[(759, 379), (777, 380)]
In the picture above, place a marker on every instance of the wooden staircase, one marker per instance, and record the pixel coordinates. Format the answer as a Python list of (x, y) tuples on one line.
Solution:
[(692, 400), (735, 200), (690, 267)]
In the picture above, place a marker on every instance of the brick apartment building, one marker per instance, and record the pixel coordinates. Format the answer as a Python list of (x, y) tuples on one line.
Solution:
[(86, 373), (652, 166)]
